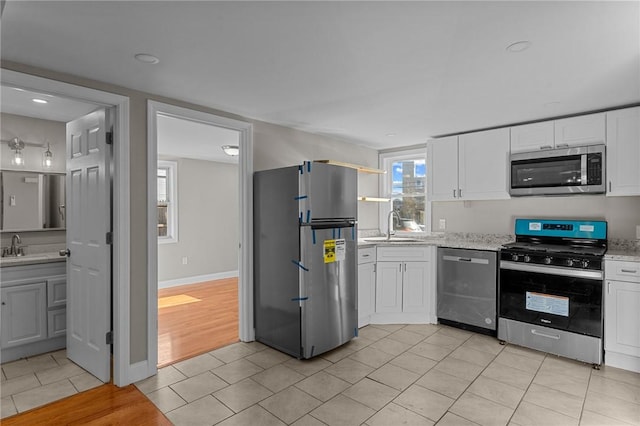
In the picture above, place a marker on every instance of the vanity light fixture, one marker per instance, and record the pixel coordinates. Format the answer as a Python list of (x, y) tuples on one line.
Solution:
[(47, 157), (17, 146), (231, 150)]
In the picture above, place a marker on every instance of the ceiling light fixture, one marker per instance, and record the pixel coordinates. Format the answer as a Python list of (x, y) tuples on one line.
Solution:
[(17, 146), (40, 101), (519, 46), (47, 157), (146, 58), (231, 150)]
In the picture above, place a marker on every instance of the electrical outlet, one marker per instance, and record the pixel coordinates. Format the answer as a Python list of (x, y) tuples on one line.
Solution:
[(185, 260), (442, 224)]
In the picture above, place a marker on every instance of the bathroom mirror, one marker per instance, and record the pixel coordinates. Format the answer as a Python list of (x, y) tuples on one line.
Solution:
[(32, 201)]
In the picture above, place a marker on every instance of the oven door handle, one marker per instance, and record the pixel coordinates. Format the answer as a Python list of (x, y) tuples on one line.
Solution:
[(551, 270), (549, 336)]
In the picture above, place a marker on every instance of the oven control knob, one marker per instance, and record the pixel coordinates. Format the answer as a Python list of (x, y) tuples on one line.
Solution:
[(527, 258), (547, 260), (514, 257), (584, 263), (569, 262)]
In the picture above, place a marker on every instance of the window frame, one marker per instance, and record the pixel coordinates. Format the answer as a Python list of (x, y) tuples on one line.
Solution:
[(172, 204), (385, 161)]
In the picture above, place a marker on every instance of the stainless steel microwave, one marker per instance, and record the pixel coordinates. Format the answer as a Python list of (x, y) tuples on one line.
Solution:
[(576, 170)]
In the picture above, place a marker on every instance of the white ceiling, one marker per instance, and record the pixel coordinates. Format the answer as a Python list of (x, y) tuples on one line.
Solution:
[(357, 71)]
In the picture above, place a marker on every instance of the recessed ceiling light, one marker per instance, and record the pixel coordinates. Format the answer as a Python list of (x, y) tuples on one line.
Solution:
[(39, 101), (519, 46), (146, 58), (390, 135)]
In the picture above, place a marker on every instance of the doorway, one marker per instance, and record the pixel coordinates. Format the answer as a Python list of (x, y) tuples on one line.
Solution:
[(242, 251), (197, 220), (123, 373), (43, 119)]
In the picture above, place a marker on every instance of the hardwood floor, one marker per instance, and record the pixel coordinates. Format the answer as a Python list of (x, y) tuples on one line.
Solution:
[(196, 318), (104, 405)]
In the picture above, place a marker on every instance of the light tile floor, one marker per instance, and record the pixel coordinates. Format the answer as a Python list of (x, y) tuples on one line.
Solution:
[(35, 381), (391, 375)]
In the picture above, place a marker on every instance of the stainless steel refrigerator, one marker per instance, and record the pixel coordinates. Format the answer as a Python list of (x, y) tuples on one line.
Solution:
[(305, 271)]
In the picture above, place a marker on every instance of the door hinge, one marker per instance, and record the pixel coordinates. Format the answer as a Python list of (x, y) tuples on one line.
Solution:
[(109, 337), (109, 138), (109, 238)]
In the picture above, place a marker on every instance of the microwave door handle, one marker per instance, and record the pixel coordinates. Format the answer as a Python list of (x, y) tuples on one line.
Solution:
[(583, 169)]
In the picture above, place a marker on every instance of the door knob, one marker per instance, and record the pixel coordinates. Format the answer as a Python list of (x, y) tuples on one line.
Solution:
[(65, 252)]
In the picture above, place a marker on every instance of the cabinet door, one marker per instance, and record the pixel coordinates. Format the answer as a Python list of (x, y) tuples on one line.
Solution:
[(582, 130), (389, 287), (483, 166), (414, 286), (442, 170), (623, 151), (532, 137), (24, 313), (57, 323), (366, 292), (622, 316), (57, 291)]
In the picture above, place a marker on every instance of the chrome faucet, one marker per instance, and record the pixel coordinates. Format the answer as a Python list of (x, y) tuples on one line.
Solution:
[(15, 249), (389, 222)]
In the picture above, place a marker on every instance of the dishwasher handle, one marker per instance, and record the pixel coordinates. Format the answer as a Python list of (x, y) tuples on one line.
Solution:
[(465, 259)]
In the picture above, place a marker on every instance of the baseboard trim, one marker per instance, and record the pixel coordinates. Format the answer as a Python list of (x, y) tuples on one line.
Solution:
[(197, 279)]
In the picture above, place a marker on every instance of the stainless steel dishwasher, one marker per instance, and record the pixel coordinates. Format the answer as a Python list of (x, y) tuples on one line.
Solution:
[(467, 288)]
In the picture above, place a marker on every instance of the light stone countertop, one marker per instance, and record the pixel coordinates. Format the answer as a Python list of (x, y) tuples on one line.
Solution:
[(31, 259), (463, 241)]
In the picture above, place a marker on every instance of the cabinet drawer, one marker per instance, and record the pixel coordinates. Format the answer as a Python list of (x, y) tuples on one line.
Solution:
[(366, 255), (622, 271), (56, 323), (403, 254), (56, 291)]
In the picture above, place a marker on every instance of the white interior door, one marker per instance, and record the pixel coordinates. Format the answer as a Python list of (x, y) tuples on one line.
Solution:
[(89, 262)]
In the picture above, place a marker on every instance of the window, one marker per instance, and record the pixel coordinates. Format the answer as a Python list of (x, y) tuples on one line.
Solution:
[(405, 183), (167, 202)]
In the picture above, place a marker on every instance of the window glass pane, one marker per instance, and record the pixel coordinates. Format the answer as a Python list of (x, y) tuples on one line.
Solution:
[(162, 189), (408, 194)]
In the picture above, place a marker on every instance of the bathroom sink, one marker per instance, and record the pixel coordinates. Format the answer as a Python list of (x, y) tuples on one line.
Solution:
[(393, 240)]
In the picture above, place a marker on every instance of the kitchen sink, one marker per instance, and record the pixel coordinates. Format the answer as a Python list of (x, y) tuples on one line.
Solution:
[(393, 240)]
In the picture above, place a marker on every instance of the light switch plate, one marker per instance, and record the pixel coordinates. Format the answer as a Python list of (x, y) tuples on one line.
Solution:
[(442, 225), (637, 232)]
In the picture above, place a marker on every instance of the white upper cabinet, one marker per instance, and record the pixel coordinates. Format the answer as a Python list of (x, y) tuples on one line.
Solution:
[(442, 169), (623, 152), (473, 166), (567, 132), (532, 137), (578, 131), (483, 163)]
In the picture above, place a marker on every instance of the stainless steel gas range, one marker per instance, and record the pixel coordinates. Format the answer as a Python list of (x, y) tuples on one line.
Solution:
[(551, 287)]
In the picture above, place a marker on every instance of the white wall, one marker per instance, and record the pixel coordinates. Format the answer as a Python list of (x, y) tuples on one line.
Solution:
[(37, 131), (497, 217), (208, 226)]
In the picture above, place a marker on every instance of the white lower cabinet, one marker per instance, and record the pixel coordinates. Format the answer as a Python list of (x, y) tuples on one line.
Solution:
[(24, 314), (404, 285), (622, 315), (33, 314), (366, 284)]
